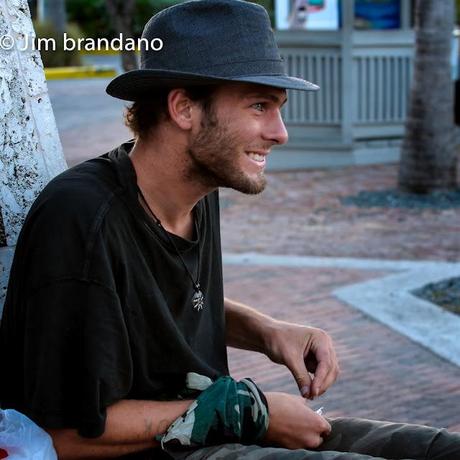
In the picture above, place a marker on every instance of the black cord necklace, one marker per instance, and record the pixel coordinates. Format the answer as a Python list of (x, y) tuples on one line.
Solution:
[(198, 297)]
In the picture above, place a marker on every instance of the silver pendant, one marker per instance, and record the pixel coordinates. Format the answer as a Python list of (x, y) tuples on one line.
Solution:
[(198, 300)]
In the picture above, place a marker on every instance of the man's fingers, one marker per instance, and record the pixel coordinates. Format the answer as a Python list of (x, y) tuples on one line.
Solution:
[(321, 381), (326, 429), (326, 371), (330, 378), (303, 380), (314, 441), (320, 385), (323, 430), (305, 386)]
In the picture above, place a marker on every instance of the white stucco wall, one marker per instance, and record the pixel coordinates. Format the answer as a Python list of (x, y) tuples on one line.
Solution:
[(31, 152)]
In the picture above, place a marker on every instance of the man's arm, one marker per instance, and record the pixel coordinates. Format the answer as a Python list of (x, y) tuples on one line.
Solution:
[(247, 328), (131, 426), (302, 349)]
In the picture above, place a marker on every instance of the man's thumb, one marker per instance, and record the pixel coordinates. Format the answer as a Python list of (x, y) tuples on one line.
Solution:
[(303, 379)]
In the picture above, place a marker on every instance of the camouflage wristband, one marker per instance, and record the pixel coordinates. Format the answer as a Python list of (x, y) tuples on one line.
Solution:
[(227, 411)]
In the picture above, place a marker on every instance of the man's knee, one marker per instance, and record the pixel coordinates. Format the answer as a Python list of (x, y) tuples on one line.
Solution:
[(444, 446)]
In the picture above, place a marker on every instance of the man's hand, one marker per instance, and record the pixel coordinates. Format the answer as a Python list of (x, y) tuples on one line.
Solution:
[(305, 350), (293, 424), (302, 349)]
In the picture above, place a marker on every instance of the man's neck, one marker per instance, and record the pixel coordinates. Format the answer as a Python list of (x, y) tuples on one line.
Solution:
[(161, 171)]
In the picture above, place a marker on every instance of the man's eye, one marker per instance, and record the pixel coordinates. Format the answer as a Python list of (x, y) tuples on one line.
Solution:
[(258, 106)]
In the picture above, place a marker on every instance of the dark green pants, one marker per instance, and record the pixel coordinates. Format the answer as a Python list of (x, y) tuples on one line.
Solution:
[(354, 439)]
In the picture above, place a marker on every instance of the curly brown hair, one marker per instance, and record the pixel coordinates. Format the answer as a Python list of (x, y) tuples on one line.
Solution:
[(142, 116)]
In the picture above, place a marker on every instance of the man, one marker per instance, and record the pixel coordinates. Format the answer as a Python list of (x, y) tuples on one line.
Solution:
[(115, 327)]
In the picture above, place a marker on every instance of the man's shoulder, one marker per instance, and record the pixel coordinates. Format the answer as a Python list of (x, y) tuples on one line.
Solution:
[(90, 183), (89, 180), (78, 197)]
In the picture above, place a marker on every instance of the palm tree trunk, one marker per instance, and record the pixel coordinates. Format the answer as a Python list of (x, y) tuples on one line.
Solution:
[(428, 156), (121, 14)]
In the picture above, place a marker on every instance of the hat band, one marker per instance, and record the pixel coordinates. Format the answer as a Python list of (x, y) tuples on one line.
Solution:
[(229, 69)]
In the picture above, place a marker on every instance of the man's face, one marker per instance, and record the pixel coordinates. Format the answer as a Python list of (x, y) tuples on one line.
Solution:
[(236, 135)]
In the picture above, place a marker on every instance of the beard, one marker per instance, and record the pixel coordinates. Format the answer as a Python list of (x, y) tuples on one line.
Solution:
[(214, 155)]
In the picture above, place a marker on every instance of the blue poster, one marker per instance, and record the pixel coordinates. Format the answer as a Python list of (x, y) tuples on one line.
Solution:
[(377, 14)]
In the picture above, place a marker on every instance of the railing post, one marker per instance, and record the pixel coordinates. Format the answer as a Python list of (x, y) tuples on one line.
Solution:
[(348, 109), (406, 15)]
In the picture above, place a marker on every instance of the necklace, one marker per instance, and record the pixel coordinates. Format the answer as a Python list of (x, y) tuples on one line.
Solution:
[(198, 297)]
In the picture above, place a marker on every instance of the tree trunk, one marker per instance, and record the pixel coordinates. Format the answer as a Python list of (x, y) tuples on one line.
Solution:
[(54, 12), (30, 150), (428, 155), (121, 14)]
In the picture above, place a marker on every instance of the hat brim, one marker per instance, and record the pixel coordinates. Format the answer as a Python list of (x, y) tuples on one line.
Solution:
[(136, 84)]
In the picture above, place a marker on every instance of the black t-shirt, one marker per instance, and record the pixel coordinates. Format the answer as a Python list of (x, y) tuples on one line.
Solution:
[(99, 305)]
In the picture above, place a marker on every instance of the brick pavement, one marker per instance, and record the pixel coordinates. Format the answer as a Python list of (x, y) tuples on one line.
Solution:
[(300, 214), (383, 374)]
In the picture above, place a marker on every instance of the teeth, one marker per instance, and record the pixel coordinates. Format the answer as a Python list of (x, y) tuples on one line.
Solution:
[(256, 156)]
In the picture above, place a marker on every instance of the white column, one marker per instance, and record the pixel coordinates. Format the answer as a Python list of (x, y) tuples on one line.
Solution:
[(30, 151)]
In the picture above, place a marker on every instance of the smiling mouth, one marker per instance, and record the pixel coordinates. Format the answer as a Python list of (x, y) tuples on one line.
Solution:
[(256, 157)]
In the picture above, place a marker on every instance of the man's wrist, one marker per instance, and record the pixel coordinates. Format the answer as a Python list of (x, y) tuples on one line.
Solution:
[(226, 411), (269, 332)]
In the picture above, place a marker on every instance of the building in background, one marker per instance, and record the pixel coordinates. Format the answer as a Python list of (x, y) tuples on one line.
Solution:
[(360, 53)]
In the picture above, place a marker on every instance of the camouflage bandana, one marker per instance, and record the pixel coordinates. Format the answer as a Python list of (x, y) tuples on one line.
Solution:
[(227, 411)]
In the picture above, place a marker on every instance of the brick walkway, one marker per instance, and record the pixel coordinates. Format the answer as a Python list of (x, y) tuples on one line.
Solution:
[(384, 375), (300, 214)]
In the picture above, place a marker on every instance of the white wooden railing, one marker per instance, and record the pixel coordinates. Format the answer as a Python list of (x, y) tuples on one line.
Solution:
[(380, 64)]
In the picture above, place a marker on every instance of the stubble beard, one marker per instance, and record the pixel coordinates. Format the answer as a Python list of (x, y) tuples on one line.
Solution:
[(214, 159)]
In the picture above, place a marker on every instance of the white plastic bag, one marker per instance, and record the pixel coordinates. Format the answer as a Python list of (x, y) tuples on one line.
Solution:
[(23, 439)]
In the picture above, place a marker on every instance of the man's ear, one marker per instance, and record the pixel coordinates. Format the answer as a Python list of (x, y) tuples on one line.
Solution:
[(182, 110)]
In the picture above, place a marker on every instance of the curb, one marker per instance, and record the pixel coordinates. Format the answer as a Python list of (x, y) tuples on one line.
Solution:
[(59, 73)]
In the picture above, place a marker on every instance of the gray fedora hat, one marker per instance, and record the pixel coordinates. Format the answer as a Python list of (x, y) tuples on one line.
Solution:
[(207, 42)]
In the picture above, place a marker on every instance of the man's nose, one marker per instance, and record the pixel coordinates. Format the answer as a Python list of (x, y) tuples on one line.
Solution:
[(276, 130)]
